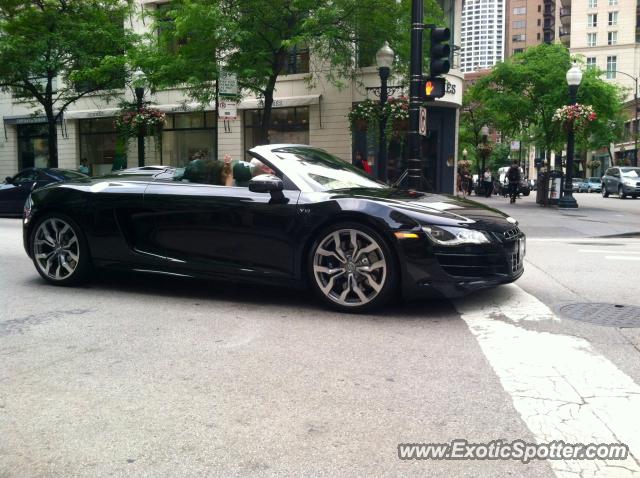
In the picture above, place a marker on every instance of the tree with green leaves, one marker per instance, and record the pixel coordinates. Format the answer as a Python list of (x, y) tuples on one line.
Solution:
[(255, 39), (524, 92), (54, 52)]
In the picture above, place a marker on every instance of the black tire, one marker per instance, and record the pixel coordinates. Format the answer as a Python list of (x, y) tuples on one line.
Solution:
[(605, 193), (389, 282), (82, 266), (621, 194)]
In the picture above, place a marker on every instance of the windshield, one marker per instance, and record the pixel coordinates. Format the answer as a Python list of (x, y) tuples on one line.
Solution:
[(68, 175), (594, 180), (630, 172), (323, 171)]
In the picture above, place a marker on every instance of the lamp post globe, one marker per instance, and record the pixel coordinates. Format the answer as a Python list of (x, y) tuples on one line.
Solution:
[(384, 59), (574, 77)]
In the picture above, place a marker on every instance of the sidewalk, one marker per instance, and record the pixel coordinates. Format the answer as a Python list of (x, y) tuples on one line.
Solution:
[(595, 217)]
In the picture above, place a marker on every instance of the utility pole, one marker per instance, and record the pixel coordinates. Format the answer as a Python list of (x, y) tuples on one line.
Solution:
[(414, 162)]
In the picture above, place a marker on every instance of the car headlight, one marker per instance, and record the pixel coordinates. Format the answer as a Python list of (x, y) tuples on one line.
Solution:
[(628, 182), (453, 236)]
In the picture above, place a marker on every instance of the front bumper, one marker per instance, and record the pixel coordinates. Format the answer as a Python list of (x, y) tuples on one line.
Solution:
[(447, 272)]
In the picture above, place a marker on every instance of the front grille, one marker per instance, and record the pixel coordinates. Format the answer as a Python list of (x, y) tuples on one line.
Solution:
[(516, 260), (472, 265), (511, 233)]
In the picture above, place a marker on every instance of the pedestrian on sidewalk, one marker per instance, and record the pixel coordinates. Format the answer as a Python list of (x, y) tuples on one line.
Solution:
[(488, 183), (514, 177)]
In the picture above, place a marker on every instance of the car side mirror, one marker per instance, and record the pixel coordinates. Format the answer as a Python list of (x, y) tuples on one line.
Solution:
[(268, 183), (8, 180)]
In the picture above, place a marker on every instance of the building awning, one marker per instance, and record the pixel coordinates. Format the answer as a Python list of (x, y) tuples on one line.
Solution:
[(110, 112), (96, 113), (27, 119), (282, 102)]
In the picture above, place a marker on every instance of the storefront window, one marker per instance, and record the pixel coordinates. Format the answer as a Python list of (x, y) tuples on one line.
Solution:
[(288, 125), (99, 144), (188, 136), (33, 145)]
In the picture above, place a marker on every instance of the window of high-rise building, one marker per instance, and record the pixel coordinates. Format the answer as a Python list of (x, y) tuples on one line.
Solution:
[(519, 24), (592, 39), (613, 18), (612, 66), (593, 3), (591, 62), (520, 37), (520, 10), (613, 2), (539, 22), (592, 20), (539, 8), (612, 38), (538, 36)]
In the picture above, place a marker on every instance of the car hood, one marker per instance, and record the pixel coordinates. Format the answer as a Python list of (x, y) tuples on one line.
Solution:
[(438, 208)]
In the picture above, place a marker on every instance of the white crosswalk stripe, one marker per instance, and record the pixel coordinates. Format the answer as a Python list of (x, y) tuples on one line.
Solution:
[(561, 386)]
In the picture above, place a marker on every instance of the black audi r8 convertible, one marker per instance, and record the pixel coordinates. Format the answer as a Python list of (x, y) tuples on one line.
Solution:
[(315, 221)]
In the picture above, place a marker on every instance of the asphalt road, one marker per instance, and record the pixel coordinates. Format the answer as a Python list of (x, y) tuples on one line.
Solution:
[(134, 375)]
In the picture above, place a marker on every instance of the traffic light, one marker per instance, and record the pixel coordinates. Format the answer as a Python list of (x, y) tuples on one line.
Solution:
[(433, 88), (440, 51)]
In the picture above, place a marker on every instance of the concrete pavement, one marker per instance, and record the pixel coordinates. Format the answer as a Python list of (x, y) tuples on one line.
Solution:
[(141, 376)]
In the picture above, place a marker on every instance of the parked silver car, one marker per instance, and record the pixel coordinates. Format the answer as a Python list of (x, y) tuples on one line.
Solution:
[(591, 185), (621, 180)]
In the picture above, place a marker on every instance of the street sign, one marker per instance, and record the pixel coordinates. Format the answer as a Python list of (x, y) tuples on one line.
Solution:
[(227, 110), (422, 129), (433, 88), (515, 145), (227, 84)]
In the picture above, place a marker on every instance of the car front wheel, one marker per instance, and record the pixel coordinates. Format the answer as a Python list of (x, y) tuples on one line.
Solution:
[(352, 268), (605, 193), (59, 250), (621, 193)]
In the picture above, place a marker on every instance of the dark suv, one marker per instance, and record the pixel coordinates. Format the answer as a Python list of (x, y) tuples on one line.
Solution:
[(621, 180)]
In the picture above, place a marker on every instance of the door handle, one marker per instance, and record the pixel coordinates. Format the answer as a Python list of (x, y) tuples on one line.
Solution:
[(33, 186)]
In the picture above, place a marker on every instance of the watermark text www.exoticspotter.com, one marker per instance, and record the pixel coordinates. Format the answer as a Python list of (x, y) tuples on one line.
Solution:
[(516, 450)]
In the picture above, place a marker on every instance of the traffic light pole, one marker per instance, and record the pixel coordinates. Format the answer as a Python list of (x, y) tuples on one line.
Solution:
[(414, 162)]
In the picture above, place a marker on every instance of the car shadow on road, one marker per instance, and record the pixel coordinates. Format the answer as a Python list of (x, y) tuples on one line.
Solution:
[(202, 291)]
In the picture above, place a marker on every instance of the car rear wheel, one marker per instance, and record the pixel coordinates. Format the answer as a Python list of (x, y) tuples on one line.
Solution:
[(59, 250), (352, 268), (605, 193), (621, 193)]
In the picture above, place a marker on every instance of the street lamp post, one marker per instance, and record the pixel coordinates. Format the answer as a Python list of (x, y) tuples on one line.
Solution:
[(138, 81), (384, 60), (574, 77)]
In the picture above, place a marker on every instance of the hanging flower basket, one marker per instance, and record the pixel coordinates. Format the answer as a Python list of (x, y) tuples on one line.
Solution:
[(145, 121), (396, 111), (574, 117), (364, 116), (484, 149)]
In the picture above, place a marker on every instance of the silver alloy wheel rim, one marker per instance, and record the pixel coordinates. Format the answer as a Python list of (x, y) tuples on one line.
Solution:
[(56, 249), (349, 267)]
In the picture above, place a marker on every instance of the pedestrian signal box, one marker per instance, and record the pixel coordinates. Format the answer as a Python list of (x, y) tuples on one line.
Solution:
[(433, 88)]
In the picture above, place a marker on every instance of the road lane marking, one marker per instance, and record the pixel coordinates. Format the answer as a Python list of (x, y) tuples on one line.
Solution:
[(600, 251), (622, 258), (560, 385)]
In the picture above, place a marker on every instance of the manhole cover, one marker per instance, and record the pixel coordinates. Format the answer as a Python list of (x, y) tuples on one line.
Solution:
[(610, 315)]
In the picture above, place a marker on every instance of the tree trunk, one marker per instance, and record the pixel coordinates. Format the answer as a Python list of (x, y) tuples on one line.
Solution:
[(53, 138), (265, 123), (51, 122)]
